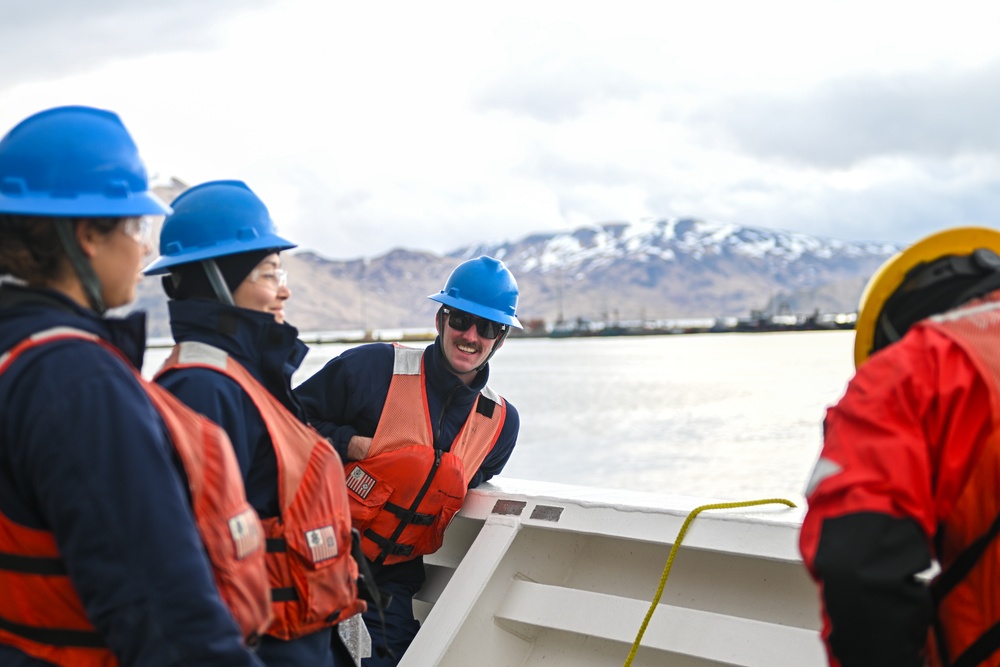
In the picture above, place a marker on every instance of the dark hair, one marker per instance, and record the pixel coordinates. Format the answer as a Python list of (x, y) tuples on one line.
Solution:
[(30, 247)]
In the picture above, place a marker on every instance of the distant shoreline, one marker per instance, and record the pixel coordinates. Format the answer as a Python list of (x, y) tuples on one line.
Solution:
[(583, 329)]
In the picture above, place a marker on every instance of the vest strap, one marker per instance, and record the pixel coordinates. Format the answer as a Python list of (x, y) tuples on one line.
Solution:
[(391, 542), (284, 595), (981, 649), (408, 516), (32, 564), (387, 546), (276, 545), (966, 560), (485, 406), (54, 636)]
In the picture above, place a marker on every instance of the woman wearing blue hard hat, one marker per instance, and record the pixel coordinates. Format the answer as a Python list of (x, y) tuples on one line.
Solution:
[(119, 507), (233, 362), (418, 428)]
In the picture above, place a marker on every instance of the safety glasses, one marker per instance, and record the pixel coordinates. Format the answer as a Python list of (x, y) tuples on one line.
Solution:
[(461, 321), (139, 229), (276, 277)]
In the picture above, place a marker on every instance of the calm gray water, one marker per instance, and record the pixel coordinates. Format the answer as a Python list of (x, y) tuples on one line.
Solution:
[(721, 416)]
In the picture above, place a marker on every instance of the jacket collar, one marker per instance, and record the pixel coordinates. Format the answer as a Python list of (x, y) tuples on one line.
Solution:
[(272, 352), (27, 310)]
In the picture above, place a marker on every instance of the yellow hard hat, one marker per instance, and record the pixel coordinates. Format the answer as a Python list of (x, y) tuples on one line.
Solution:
[(933, 275)]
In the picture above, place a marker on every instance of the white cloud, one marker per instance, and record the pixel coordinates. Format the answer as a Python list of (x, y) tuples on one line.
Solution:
[(369, 126)]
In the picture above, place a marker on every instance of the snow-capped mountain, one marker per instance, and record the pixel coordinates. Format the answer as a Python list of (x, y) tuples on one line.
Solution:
[(670, 239), (684, 267), (651, 269)]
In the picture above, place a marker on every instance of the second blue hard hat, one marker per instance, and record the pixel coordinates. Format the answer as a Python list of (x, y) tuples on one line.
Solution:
[(215, 219), (483, 286)]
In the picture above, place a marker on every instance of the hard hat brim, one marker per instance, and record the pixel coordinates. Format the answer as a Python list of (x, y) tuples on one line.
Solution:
[(164, 263), (84, 205)]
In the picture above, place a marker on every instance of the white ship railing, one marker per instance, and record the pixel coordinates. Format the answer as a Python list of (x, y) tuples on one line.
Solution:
[(542, 574)]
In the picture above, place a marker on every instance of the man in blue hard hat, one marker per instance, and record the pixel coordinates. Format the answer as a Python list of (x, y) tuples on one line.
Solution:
[(417, 429)]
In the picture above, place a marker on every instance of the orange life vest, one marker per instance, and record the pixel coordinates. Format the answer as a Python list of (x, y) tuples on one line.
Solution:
[(405, 492), (967, 630), (43, 616), (312, 574)]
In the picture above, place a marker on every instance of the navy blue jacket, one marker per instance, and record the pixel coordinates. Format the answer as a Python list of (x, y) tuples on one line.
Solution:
[(271, 352), (84, 454), (346, 398)]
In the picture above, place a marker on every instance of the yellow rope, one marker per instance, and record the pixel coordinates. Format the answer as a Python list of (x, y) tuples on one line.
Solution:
[(673, 552)]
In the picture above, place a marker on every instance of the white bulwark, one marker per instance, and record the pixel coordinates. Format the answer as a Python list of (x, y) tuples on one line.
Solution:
[(535, 573)]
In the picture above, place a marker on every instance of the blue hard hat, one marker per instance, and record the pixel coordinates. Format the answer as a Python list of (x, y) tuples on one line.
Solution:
[(483, 287), (212, 220), (74, 161)]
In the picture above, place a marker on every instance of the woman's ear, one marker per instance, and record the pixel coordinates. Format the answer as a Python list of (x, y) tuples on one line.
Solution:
[(87, 236)]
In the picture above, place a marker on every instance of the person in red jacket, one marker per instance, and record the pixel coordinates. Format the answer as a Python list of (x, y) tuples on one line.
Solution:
[(901, 530)]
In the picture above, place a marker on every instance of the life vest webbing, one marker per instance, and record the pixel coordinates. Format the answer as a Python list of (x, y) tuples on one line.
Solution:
[(402, 425), (53, 644), (965, 561), (310, 507), (293, 457), (389, 544), (970, 532), (58, 637), (406, 490), (409, 516), (980, 650), (32, 564)]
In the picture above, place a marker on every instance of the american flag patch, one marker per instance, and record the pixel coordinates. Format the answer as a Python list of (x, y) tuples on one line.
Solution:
[(360, 482), (245, 529), (322, 543)]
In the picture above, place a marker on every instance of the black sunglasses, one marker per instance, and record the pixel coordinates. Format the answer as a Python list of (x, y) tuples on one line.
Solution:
[(461, 321)]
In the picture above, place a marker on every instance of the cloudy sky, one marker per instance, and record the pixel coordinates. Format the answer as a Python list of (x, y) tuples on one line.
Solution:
[(367, 126)]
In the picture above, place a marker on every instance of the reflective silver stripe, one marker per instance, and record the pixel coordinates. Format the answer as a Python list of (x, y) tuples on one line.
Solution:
[(53, 332), (490, 394), (823, 469), (201, 353), (406, 360)]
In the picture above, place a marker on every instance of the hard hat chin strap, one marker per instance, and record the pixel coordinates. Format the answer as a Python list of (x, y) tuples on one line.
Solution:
[(440, 329), (218, 282), (81, 265), (496, 346)]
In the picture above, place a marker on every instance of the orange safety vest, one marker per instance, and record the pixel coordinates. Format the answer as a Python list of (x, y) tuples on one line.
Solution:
[(967, 628), (405, 492), (43, 616), (312, 574)]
